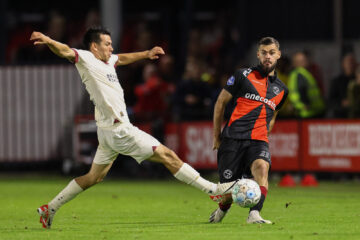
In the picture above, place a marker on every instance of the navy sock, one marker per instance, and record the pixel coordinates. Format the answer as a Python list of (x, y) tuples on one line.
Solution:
[(260, 204), (224, 207)]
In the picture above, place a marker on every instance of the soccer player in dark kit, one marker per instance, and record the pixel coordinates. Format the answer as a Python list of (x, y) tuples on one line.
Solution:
[(243, 150)]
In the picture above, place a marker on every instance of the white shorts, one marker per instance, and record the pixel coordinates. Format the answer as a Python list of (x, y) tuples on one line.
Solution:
[(126, 139)]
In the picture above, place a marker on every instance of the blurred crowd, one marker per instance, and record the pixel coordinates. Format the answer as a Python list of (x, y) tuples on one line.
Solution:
[(160, 91), (307, 98)]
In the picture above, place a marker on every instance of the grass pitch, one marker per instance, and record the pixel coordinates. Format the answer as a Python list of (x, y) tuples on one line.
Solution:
[(168, 210)]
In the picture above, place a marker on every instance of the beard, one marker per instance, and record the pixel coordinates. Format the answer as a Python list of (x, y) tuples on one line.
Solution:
[(267, 69)]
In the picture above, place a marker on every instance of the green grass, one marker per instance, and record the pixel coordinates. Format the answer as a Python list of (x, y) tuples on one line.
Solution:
[(170, 210)]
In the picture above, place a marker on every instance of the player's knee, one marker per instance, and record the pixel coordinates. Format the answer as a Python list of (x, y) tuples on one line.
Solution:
[(261, 167)]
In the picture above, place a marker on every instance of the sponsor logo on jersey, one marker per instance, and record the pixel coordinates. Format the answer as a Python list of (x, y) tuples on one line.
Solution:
[(255, 97), (112, 77), (230, 81)]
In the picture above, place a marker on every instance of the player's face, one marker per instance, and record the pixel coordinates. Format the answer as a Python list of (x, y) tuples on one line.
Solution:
[(104, 49), (268, 56)]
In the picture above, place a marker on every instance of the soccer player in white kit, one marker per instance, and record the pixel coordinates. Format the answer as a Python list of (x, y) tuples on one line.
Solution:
[(116, 134)]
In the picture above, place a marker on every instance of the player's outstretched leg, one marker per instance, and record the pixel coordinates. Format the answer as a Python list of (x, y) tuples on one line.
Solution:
[(76, 186), (185, 173)]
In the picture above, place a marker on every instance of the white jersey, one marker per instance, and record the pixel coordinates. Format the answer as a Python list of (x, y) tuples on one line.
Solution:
[(103, 85)]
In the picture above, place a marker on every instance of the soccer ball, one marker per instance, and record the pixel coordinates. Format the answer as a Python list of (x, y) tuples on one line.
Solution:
[(246, 193)]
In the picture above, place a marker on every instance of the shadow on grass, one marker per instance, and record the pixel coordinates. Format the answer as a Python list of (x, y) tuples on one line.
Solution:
[(169, 224)]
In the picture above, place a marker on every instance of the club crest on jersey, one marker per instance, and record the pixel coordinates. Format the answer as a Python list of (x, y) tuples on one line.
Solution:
[(230, 81), (228, 174), (276, 90)]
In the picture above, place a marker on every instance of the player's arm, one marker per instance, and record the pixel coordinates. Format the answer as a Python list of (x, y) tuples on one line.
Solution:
[(220, 105), (127, 58), (60, 49), (272, 122)]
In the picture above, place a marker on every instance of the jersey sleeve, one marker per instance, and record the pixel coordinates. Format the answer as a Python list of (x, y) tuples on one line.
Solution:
[(286, 92), (233, 84), (113, 59), (81, 56)]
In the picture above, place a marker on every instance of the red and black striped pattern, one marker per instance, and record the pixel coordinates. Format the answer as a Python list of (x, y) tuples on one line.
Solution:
[(257, 96)]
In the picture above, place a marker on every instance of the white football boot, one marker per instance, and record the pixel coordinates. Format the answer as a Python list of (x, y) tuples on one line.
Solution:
[(254, 217), (225, 188), (46, 216), (217, 215)]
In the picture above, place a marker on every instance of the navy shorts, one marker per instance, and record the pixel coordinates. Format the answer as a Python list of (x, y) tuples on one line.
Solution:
[(236, 156)]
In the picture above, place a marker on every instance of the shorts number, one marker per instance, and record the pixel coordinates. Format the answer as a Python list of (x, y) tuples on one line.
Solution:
[(264, 154)]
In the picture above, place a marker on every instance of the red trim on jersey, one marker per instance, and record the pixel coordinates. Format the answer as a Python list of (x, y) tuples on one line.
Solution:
[(277, 99), (259, 83), (246, 106), (258, 132), (76, 56)]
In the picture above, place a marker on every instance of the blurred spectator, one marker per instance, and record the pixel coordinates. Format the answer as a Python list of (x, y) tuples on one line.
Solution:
[(192, 98), (315, 70), (56, 29), (139, 36), (195, 49), (212, 40), (92, 19), (152, 96), (215, 93), (304, 93), (166, 69), (19, 39), (338, 101), (354, 95), (283, 69)]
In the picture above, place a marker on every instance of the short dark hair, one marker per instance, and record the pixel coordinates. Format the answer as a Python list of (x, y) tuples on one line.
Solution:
[(93, 35), (268, 41)]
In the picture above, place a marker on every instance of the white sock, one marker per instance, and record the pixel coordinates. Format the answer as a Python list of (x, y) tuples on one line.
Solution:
[(190, 176), (68, 193)]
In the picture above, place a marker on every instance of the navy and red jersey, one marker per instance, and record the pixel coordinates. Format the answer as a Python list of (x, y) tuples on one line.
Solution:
[(256, 96)]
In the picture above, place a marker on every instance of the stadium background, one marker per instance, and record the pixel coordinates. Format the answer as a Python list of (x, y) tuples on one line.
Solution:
[(45, 113), (47, 133)]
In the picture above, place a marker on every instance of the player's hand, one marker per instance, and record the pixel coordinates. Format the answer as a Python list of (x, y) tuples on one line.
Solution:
[(216, 143), (39, 38), (155, 52)]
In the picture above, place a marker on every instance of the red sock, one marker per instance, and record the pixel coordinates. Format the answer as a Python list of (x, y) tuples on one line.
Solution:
[(260, 204), (263, 190)]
